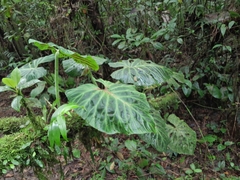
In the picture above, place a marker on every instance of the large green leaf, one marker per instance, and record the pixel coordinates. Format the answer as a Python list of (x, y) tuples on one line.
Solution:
[(5, 88), (87, 60), (118, 108), (32, 71), (160, 139), (25, 84), (140, 72), (183, 138), (73, 68)]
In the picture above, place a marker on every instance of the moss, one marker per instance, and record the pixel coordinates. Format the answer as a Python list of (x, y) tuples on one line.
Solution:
[(12, 148), (165, 102), (10, 125)]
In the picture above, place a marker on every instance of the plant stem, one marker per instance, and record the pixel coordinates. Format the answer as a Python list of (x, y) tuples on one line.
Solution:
[(92, 78), (56, 79), (32, 117)]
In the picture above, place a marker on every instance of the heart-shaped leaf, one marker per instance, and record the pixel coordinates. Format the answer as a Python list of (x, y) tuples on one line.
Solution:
[(118, 108), (140, 72), (158, 140), (182, 137), (32, 71)]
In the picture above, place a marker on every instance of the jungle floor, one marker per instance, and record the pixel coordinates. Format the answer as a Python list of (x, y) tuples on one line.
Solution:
[(174, 165)]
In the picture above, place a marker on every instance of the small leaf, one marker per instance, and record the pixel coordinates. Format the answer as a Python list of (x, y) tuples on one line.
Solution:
[(214, 90), (117, 41), (76, 153), (9, 82), (62, 126), (158, 45), (112, 165), (192, 166), (223, 29), (131, 145), (12, 166), (228, 143), (15, 162), (188, 171), (197, 170), (26, 145), (38, 90), (120, 156), (16, 103), (122, 45), (39, 163), (15, 75), (143, 163), (230, 24), (217, 45), (5, 162), (159, 33), (54, 134), (186, 91), (5, 88), (221, 147), (116, 36), (4, 171), (180, 40), (209, 138), (25, 84)]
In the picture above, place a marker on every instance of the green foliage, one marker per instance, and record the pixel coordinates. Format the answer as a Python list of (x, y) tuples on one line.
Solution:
[(10, 125), (58, 124), (117, 108), (182, 137), (107, 107), (87, 60), (159, 140), (164, 102), (140, 72)]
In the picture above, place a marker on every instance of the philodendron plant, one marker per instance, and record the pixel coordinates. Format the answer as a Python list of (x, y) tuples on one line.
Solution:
[(109, 107)]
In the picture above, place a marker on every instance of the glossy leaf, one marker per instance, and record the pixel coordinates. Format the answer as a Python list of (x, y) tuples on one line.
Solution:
[(182, 137), (140, 72), (15, 75), (33, 102), (73, 68), (118, 108), (158, 140), (62, 126), (25, 84), (87, 60), (9, 82), (5, 88), (214, 90), (58, 126), (39, 163), (38, 90), (16, 103), (32, 71), (223, 29), (54, 134), (131, 145)]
